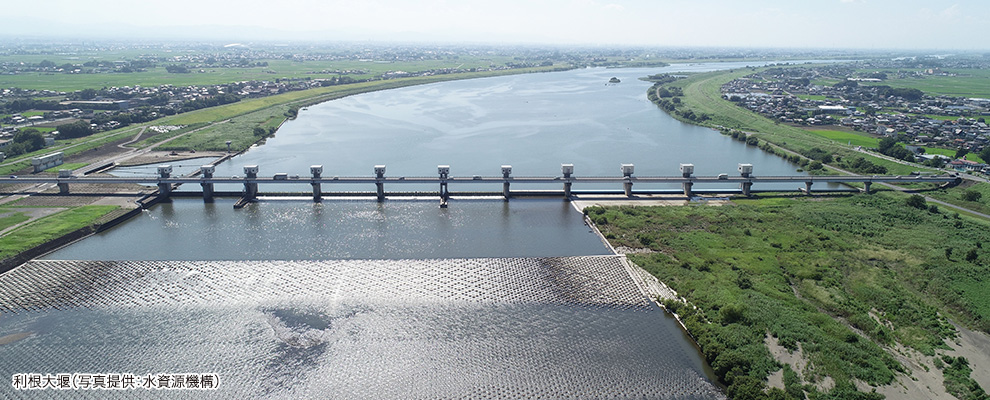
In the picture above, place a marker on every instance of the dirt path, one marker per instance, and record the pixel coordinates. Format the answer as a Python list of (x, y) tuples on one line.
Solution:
[(127, 154)]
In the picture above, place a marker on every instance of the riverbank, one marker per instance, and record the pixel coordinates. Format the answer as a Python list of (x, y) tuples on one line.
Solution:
[(702, 104), (846, 282)]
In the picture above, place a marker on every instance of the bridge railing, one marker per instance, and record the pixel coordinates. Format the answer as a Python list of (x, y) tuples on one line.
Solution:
[(250, 181)]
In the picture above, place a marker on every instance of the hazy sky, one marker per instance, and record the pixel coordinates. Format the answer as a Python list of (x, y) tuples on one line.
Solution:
[(927, 24)]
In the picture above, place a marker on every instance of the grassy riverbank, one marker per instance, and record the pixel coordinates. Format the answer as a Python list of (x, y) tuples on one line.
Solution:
[(48, 228), (840, 281), (703, 97)]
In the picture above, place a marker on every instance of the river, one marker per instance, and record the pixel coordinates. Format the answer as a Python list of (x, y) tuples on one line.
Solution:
[(356, 298)]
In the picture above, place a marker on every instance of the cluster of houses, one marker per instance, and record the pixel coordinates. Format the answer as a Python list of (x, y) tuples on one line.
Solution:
[(861, 103)]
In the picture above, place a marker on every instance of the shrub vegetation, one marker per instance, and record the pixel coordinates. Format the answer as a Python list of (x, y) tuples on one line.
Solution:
[(842, 278)]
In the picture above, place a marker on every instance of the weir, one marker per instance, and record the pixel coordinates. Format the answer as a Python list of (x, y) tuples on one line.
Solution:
[(251, 181), (530, 327)]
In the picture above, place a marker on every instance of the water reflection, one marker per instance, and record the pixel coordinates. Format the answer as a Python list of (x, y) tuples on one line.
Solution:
[(467, 328), (188, 229)]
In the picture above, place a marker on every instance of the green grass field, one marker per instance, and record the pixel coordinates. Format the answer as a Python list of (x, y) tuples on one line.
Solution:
[(276, 69), (941, 117), (10, 217), (50, 227), (846, 138), (952, 153), (967, 83), (70, 166), (239, 130), (806, 271), (954, 195), (811, 97)]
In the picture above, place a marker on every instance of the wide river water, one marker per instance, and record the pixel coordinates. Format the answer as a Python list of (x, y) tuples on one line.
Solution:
[(392, 299)]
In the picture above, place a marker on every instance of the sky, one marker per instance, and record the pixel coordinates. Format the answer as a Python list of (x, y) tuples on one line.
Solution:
[(870, 24)]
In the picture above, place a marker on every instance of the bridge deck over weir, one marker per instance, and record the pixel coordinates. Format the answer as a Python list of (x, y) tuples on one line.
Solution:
[(206, 179)]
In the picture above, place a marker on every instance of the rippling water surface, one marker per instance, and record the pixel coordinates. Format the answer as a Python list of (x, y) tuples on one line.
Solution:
[(455, 328)]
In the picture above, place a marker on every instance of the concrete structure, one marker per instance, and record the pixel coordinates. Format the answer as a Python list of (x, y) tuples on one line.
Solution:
[(444, 171), (46, 161), (250, 187), (207, 172), (63, 188), (746, 170), (686, 171), (380, 182), (164, 188), (317, 172), (627, 172), (746, 180), (506, 171), (567, 170)]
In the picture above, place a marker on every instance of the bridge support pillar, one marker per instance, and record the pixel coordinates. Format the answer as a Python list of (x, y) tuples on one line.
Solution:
[(807, 187), (444, 171), (164, 188), (686, 171), (380, 182), (627, 172), (687, 186), (746, 170), (506, 171), (866, 187), (207, 172), (63, 187), (567, 170), (746, 188), (317, 171), (250, 188)]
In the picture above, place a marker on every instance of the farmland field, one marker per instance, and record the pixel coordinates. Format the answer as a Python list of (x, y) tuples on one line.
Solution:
[(966, 83), (846, 138)]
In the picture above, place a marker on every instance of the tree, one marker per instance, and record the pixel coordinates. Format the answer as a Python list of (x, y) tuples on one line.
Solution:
[(31, 138), (961, 153), (972, 195), (936, 162), (74, 130), (746, 387), (87, 94), (292, 112), (176, 69), (972, 255), (259, 131), (885, 144), (985, 154), (917, 201)]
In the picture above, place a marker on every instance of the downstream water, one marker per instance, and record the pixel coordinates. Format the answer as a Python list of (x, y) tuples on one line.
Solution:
[(423, 325)]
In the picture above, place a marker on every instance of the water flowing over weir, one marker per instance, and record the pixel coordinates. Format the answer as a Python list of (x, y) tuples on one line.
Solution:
[(440, 328)]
